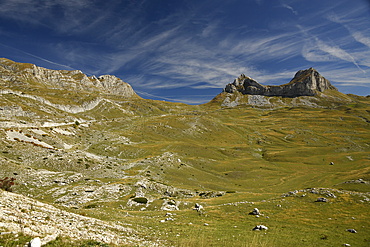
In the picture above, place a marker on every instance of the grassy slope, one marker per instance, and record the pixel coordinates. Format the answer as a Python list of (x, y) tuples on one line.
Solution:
[(260, 154), (254, 154)]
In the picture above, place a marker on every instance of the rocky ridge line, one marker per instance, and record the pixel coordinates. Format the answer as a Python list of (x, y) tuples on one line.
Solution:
[(305, 83), (22, 74)]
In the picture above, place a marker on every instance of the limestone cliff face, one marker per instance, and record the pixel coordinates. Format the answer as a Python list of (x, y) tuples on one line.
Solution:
[(305, 83), (13, 74)]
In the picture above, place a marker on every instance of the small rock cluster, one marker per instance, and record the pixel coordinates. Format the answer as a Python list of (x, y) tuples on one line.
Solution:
[(322, 199), (357, 181), (318, 191), (169, 217)]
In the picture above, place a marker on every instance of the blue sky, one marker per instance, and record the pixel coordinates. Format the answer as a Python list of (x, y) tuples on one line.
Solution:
[(187, 51)]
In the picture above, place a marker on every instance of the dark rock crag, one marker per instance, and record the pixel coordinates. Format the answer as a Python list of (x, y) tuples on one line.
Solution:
[(305, 83)]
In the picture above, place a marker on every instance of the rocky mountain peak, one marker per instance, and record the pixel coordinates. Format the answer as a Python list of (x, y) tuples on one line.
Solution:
[(12, 73), (305, 83), (312, 79)]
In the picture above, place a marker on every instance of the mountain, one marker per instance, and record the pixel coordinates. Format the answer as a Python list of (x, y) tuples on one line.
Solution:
[(22, 76), (308, 88), (305, 83), (25, 78), (95, 164)]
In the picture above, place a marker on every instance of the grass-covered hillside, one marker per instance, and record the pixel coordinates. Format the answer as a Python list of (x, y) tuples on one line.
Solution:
[(145, 164)]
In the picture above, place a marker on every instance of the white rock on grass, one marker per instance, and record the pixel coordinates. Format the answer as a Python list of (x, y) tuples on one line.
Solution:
[(36, 242), (260, 228), (198, 207), (255, 212)]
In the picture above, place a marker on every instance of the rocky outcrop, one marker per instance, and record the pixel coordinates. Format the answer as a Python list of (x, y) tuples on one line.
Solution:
[(305, 83), (34, 218), (20, 74)]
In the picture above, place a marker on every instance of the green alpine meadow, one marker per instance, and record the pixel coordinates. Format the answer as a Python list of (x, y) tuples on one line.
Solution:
[(85, 161)]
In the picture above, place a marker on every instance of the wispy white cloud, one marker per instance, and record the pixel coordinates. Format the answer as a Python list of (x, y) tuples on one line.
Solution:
[(352, 24), (173, 59), (72, 14), (210, 29), (360, 37), (345, 77), (39, 58), (290, 8), (195, 48), (318, 48), (320, 51), (337, 52)]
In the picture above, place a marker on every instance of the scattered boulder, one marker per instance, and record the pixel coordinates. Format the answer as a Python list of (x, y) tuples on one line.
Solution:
[(331, 195), (322, 199), (36, 242), (360, 180), (211, 194), (260, 228), (198, 207), (170, 205), (351, 230), (331, 163), (167, 219), (357, 181), (255, 212)]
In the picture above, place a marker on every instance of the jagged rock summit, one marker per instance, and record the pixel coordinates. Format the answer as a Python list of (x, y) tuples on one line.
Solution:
[(23, 75), (305, 83)]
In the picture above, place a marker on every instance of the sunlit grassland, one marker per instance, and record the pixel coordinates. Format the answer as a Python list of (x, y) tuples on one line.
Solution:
[(257, 155), (254, 155)]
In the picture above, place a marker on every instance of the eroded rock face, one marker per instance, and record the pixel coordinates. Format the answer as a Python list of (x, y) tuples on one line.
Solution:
[(40, 219), (115, 85), (305, 83), (23, 74)]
